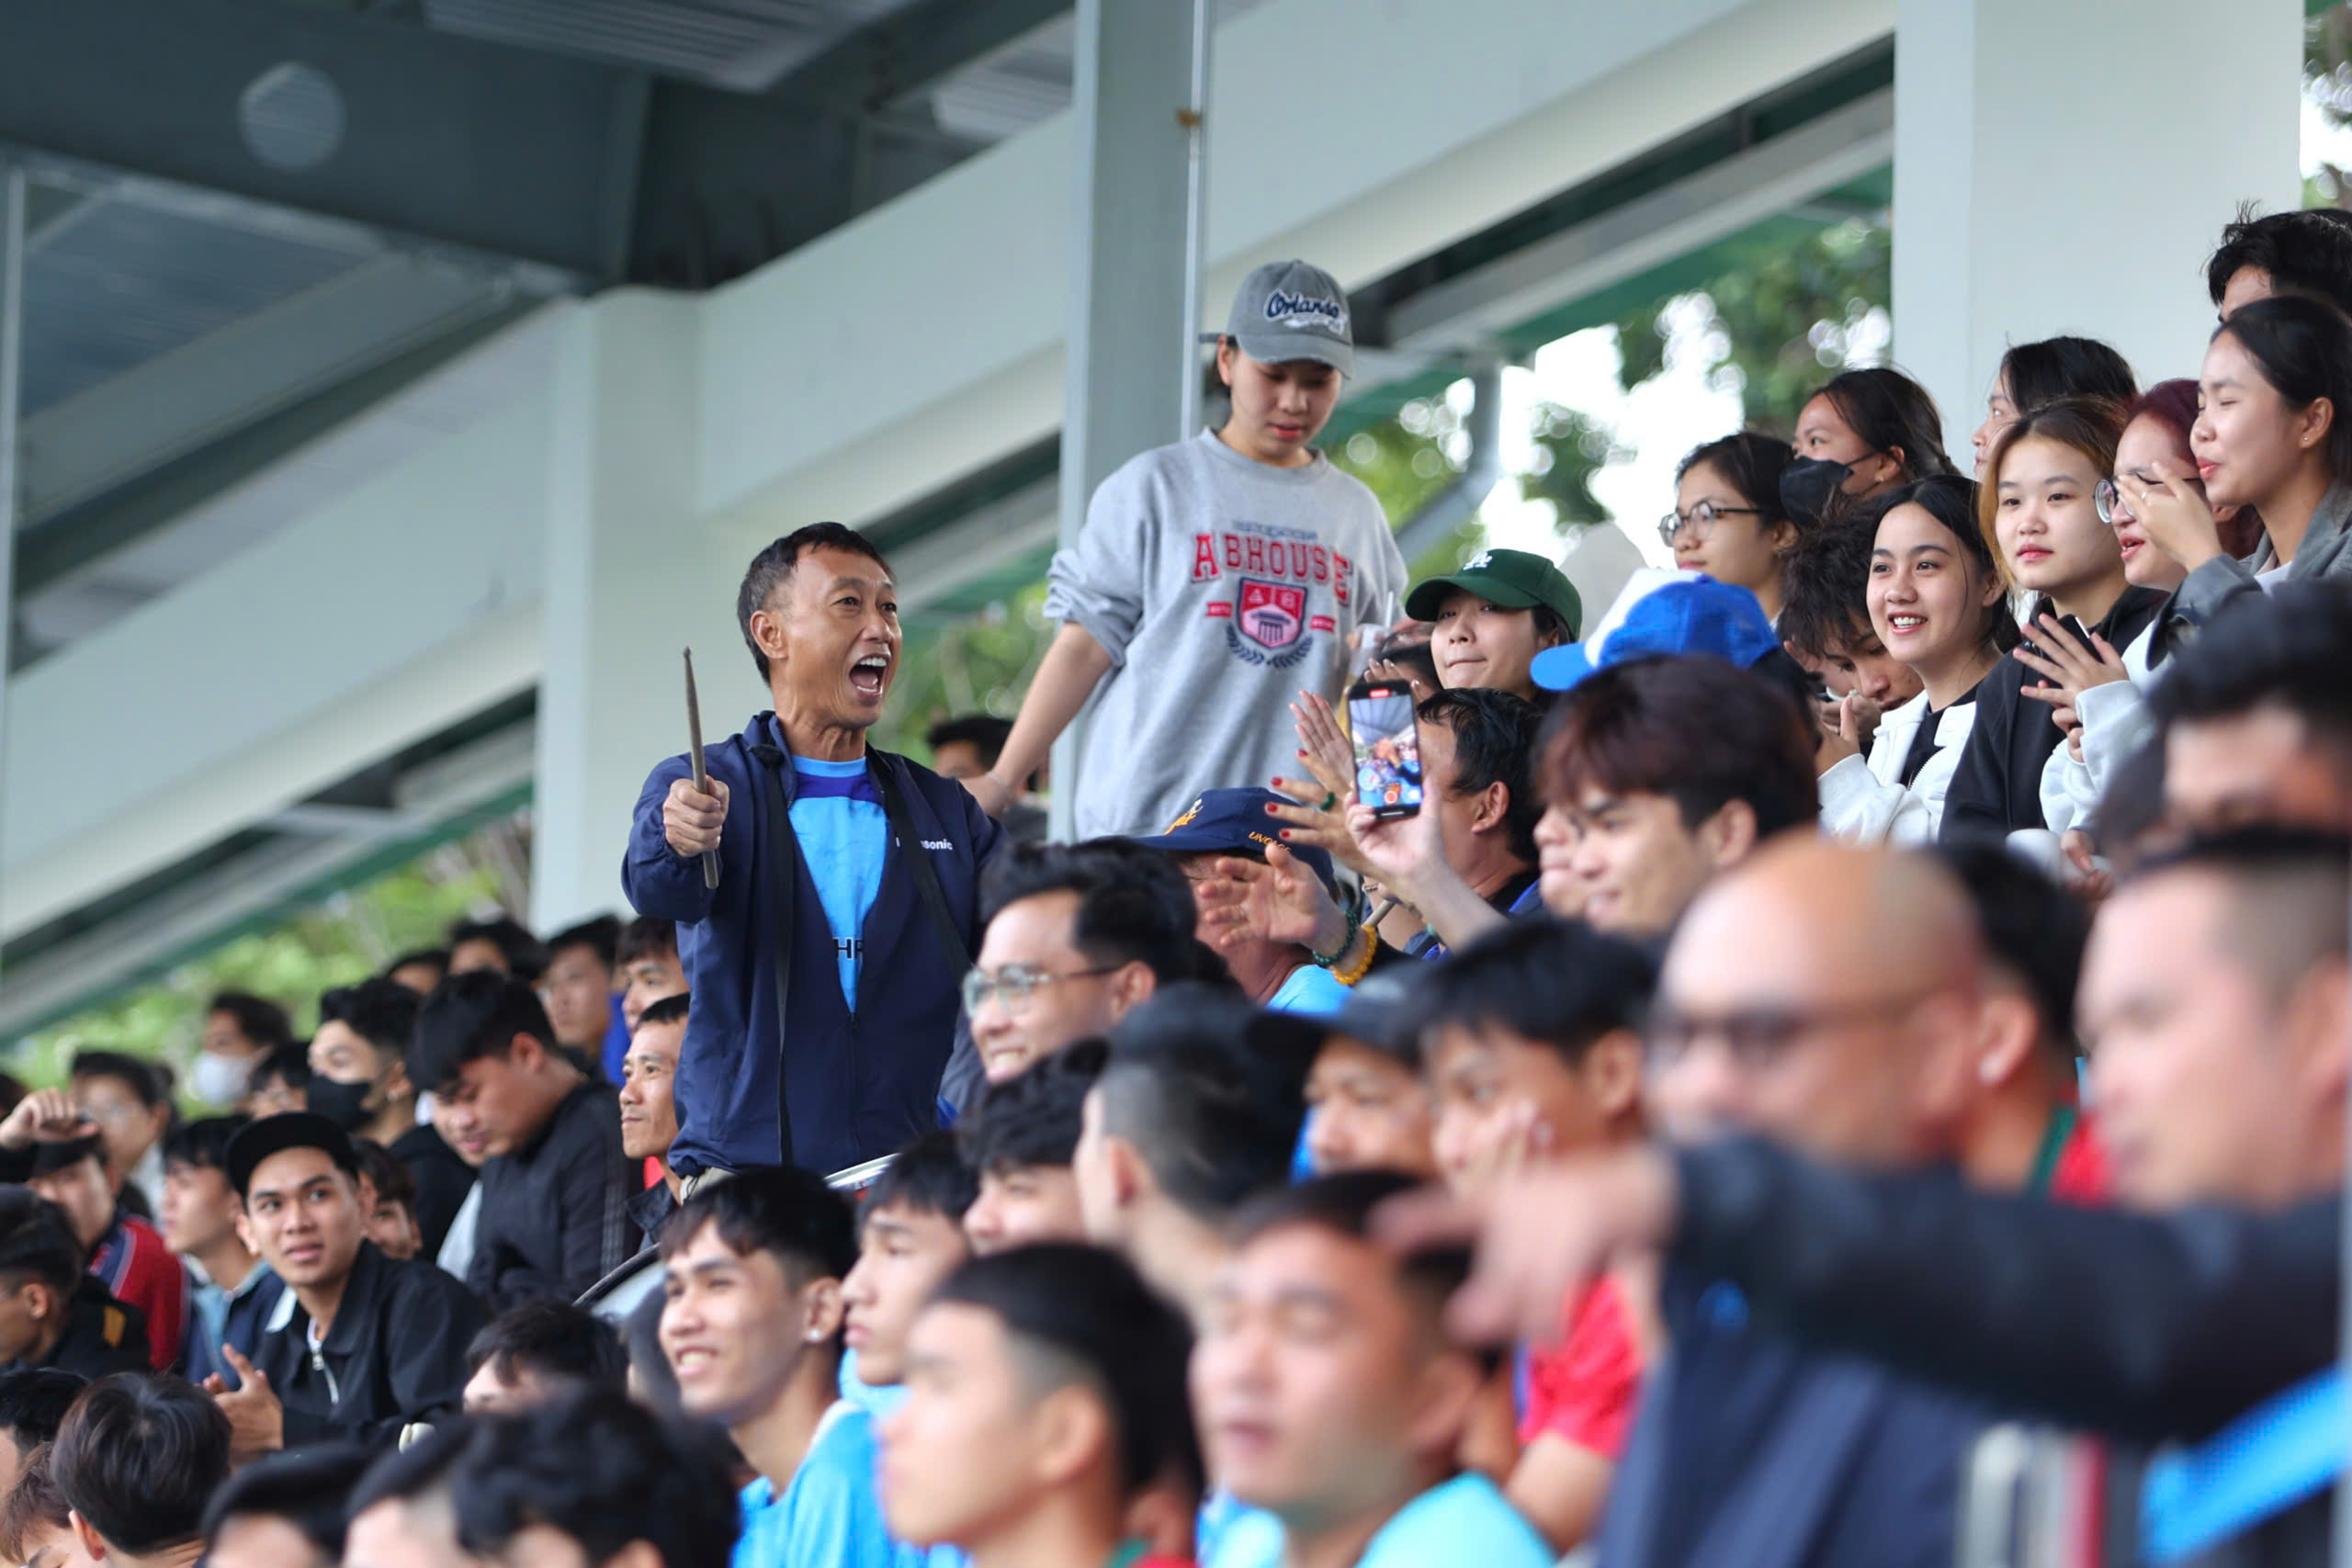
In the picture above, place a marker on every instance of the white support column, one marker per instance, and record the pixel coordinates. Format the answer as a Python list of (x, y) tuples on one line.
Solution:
[(12, 323), (2066, 165), (632, 577), (1129, 221)]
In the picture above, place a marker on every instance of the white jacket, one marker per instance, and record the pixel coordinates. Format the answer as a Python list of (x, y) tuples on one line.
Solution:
[(1867, 803), (2115, 721)]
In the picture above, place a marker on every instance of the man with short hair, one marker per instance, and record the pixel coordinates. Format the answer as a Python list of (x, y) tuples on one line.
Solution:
[(1331, 1395), (1367, 1105), (646, 954), (420, 970), (968, 746), (2296, 252), (231, 1291), (280, 1082), (823, 1017), (33, 1403), (1078, 935), (1825, 620), (576, 987), (137, 1459), (752, 1327), (1532, 1038), (1659, 773), (528, 1354), (1045, 1396), (48, 1144), (284, 1511), (909, 1236), (1197, 1109), (1020, 1144), (2255, 718), (1489, 620), (649, 1108), (361, 1345), (239, 1030), (53, 1313), (588, 1479), (359, 1080), (555, 1186), (1213, 578), (391, 1223), (125, 1097), (1465, 863), (499, 943)]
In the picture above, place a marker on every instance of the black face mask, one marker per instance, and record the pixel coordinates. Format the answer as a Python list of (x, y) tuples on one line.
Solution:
[(1806, 485), (345, 1105)]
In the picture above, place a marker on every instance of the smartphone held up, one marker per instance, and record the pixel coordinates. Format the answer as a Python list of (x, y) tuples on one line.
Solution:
[(1388, 745)]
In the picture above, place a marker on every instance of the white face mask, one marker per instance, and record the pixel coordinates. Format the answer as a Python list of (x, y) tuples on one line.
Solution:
[(220, 1080)]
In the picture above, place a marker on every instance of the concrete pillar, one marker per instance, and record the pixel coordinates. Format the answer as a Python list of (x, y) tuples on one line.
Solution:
[(633, 575), (1129, 279), (2066, 165)]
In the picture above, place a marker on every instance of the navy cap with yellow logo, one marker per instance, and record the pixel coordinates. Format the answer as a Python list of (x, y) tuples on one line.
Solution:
[(1234, 822)]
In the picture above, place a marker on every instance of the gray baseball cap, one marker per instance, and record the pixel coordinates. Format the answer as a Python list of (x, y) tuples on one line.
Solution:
[(1293, 309)]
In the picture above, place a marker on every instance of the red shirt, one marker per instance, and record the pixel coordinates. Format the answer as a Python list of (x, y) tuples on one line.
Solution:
[(142, 1273), (2080, 1175), (1585, 1389)]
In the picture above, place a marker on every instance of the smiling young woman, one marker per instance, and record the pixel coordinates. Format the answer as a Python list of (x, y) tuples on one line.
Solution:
[(1728, 520), (1935, 602), (2037, 514)]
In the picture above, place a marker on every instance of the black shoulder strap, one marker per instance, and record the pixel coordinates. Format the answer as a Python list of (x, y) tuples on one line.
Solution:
[(935, 902), (783, 865)]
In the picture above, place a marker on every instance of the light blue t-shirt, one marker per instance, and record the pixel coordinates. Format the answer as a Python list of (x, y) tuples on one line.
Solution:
[(1465, 1520), (1310, 990), (844, 839), (829, 1516)]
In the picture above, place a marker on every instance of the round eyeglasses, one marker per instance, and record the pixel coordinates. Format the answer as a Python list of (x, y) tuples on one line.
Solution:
[(1699, 519), (1014, 984)]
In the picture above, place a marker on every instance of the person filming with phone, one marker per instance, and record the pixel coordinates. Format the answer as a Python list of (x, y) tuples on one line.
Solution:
[(846, 898)]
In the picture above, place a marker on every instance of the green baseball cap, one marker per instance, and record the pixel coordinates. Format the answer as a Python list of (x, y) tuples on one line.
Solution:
[(1516, 580)]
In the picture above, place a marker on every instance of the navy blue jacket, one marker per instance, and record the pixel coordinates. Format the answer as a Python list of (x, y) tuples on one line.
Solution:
[(861, 1084), (1751, 1452)]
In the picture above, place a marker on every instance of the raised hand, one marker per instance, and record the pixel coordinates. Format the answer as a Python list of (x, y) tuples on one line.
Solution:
[(691, 820)]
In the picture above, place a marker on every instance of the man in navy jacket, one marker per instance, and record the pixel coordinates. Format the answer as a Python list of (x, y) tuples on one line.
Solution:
[(848, 876)]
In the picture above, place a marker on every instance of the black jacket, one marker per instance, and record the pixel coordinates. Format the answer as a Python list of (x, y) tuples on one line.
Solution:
[(395, 1353), (102, 1335), (442, 1182), (2151, 1328), (1996, 788), (554, 1212)]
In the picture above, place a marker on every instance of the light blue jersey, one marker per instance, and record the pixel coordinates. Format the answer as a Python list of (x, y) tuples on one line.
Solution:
[(829, 1516), (844, 839), (1310, 991), (1465, 1520)]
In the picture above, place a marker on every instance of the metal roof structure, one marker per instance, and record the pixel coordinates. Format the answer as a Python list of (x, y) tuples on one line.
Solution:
[(221, 338)]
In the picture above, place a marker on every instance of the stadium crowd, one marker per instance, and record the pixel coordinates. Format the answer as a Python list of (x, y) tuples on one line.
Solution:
[(1867, 1005)]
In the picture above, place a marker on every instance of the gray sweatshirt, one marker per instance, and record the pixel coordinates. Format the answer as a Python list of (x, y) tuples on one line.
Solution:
[(1220, 587)]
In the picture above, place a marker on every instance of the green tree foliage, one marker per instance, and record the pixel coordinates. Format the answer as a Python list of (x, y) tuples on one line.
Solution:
[(1405, 460), (347, 936), (1780, 324), (1571, 448)]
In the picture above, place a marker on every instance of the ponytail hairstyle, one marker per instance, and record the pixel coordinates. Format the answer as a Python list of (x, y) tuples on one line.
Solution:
[(2173, 405), (2303, 348), (2055, 367), (1891, 412), (2090, 425), (1951, 499)]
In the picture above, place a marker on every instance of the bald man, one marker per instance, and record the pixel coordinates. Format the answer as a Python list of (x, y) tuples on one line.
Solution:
[(1845, 1000), (1833, 998)]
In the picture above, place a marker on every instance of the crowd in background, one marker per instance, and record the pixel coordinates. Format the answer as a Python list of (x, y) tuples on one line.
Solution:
[(1872, 991)]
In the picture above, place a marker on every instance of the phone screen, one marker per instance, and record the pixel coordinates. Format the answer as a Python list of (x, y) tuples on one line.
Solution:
[(1387, 748)]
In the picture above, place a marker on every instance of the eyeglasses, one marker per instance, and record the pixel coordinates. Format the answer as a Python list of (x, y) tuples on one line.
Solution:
[(1759, 1037), (1015, 983), (2107, 496), (1700, 519)]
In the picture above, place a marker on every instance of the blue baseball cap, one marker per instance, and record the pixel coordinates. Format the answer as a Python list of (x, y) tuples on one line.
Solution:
[(1234, 822), (1687, 615)]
